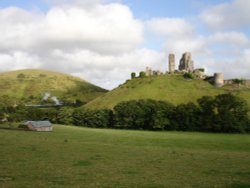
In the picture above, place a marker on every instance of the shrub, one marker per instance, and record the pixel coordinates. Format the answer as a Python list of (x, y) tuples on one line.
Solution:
[(142, 74), (238, 81), (133, 75), (188, 75)]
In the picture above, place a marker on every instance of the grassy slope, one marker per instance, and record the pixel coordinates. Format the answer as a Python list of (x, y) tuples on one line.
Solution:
[(37, 82), (172, 88), (82, 157)]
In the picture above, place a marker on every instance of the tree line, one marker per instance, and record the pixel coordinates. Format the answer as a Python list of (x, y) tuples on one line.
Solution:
[(223, 113)]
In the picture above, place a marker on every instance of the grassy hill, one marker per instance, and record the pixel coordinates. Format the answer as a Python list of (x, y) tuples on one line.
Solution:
[(83, 157), (172, 88), (31, 85)]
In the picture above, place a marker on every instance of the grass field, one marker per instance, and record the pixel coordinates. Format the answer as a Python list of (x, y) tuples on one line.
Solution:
[(82, 157), (31, 85), (171, 88)]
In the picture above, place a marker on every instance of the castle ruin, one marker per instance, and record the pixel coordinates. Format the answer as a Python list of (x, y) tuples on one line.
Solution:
[(171, 63), (186, 62), (218, 79), (186, 65), (150, 72)]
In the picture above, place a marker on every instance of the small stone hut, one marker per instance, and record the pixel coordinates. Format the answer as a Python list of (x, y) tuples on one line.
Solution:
[(39, 125)]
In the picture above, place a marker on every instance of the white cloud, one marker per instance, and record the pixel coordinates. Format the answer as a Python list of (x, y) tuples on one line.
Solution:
[(170, 27), (101, 69), (178, 36), (105, 25), (110, 25), (238, 67), (230, 15), (91, 42), (18, 60), (232, 38)]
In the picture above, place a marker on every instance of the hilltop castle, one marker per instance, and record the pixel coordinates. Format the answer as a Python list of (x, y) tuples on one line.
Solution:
[(186, 63), (186, 67)]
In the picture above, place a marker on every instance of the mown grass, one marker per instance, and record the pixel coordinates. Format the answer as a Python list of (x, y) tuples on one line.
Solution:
[(82, 157), (171, 88)]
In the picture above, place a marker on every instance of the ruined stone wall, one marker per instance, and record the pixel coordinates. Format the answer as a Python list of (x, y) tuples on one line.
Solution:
[(186, 62), (171, 63), (148, 71)]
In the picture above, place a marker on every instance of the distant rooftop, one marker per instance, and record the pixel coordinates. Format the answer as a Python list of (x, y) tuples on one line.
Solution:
[(39, 124)]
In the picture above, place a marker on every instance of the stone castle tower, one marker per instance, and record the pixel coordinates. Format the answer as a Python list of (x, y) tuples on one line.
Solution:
[(186, 62), (171, 63), (218, 79), (148, 71)]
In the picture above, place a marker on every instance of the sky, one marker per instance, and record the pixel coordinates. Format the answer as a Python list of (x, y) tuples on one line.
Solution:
[(103, 41)]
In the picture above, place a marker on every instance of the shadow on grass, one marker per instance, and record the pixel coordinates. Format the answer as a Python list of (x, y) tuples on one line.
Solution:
[(239, 185), (82, 163), (14, 129)]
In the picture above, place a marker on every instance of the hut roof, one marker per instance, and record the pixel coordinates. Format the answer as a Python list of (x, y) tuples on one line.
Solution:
[(38, 124)]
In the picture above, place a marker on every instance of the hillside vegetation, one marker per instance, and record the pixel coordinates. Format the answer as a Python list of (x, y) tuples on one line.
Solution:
[(83, 157), (171, 88), (31, 85)]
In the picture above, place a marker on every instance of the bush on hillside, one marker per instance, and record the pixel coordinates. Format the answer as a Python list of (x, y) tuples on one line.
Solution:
[(133, 75), (238, 81), (142, 74), (188, 75)]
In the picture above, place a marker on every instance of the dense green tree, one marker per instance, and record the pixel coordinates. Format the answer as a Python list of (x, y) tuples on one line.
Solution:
[(143, 114), (133, 75), (162, 116), (65, 115), (208, 114), (232, 113), (51, 114), (24, 113), (142, 74), (128, 115), (78, 116), (93, 118), (186, 117), (238, 81)]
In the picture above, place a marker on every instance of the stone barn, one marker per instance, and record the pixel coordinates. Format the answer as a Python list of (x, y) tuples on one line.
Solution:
[(39, 125)]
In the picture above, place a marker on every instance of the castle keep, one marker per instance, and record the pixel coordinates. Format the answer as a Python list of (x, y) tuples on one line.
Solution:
[(186, 62)]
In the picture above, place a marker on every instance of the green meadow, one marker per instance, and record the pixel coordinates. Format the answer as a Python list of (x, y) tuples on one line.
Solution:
[(83, 157), (172, 88), (30, 85)]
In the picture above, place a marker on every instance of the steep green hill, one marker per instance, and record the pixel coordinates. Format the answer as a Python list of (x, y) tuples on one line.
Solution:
[(30, 86), (172, 88)]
